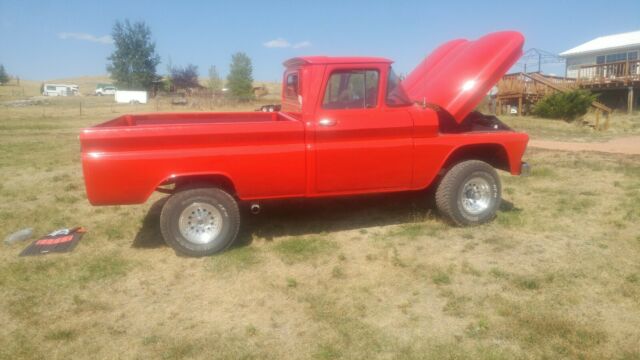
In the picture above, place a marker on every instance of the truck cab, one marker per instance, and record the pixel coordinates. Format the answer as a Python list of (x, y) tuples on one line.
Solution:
[(360, 124)]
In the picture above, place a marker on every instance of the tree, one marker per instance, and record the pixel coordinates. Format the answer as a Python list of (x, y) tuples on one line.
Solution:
[(215, 82), (4, 77), (567, 106), (240, 79), (133, 62), (184, 77)]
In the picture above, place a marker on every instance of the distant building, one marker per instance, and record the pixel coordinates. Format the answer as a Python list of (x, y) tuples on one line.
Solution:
[(60, 90), (608, 65), (611, 49)]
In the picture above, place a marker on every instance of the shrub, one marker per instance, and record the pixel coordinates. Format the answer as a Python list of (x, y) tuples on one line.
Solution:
[(566, 106), (184, 77)]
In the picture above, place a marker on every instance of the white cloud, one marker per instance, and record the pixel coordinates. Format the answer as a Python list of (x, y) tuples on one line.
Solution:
[(302, 44), (277, 43), (283, 43), (106, 39)]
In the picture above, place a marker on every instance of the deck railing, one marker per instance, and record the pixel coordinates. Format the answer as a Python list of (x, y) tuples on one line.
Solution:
[(612, 72), (518, 83)]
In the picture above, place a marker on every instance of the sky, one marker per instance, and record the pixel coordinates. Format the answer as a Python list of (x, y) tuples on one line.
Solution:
[(46, 40)]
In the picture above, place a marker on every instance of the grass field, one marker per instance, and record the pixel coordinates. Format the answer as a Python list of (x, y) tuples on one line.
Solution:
[(555, 276)]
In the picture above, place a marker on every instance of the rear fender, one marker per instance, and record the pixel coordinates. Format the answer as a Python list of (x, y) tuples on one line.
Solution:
[(190, 180)]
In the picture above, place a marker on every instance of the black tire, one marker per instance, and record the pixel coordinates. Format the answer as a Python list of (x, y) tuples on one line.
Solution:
[(229, 215), (454, 202)]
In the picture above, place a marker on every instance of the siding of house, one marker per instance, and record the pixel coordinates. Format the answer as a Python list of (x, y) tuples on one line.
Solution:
[(575, 61)]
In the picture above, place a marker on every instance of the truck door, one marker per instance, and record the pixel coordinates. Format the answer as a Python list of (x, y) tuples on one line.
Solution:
[(361, 144)]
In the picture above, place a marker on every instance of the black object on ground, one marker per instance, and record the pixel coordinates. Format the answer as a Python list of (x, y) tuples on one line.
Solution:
[(59, 241)]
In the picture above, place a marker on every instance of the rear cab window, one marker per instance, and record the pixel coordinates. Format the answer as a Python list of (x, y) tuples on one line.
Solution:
[(352, 89), (292, 91), (292, 85)]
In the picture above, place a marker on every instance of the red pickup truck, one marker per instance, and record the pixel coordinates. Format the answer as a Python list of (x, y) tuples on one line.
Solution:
[(347, 126)]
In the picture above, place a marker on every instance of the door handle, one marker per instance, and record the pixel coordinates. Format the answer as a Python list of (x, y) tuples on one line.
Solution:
[(326, 122)]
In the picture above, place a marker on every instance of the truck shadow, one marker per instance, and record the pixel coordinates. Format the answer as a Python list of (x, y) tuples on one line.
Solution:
[(312, 216), (308, 216)]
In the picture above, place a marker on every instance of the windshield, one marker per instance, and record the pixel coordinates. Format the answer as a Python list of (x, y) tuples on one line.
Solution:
[(395, 92)]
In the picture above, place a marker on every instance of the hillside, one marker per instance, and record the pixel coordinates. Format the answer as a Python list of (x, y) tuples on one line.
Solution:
[(87, 84)]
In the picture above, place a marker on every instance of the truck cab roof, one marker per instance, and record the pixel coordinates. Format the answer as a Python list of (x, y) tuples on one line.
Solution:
[(322, 60)]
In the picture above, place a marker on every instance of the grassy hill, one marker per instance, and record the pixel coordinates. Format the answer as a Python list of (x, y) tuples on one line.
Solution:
[(87, 84), (28, 88)]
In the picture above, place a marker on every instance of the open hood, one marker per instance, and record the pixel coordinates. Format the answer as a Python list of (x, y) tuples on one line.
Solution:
[(458, 74)]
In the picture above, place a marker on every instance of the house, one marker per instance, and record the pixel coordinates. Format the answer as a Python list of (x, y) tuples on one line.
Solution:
[(609, 66)]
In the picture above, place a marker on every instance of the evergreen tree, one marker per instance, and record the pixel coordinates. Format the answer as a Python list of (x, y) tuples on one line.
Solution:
[(133, 62), (215, 82), (240, 79), (4, 77)]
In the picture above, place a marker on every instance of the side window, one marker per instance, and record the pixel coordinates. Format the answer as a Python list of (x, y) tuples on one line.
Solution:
[(396, 96), (292, 86), (352, 89)]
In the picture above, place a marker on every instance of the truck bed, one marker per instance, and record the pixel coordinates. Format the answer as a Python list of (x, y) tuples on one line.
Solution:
[(194, 118), (126, 158)]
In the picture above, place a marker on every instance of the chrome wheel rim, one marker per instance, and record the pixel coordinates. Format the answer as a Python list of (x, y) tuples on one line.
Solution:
[(476, 195), (200, 223)]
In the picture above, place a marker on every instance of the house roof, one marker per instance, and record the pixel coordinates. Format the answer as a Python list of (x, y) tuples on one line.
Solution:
[(608, 42)]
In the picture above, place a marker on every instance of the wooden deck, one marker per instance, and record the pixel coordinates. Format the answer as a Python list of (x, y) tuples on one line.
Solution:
[(523, 90), (622, 74)]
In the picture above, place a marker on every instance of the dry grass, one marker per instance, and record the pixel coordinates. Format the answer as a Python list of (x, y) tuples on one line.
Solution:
[(579, 130), (555, 276)]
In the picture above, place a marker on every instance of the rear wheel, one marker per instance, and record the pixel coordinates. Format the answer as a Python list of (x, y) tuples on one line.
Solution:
[(200, 221), (469, 193)]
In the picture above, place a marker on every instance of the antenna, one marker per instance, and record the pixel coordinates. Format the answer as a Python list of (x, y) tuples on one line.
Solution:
[(536, 58)]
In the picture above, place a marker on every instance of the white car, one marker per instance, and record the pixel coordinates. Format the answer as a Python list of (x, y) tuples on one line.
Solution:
[(107, 90)]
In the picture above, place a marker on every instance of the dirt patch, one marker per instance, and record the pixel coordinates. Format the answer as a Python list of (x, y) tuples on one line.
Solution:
[(626, 145)]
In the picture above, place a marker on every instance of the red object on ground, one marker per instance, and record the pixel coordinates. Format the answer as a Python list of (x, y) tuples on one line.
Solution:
[(54, 241), (346, 127)]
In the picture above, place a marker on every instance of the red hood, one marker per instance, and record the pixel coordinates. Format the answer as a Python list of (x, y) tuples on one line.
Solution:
[(458, 74)]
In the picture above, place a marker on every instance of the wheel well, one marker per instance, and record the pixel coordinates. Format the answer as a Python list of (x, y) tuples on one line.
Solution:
[(219, 181), (493, 154)]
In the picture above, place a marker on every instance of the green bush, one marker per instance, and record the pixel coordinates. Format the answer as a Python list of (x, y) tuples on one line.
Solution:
[(566, 106)]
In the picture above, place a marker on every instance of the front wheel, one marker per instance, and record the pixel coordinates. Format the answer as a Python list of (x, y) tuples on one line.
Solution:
[(469, 193), (200, 221)]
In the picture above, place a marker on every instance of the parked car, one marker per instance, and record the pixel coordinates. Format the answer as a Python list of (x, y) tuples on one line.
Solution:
[(105, 90), (269, 108), (347, 126)]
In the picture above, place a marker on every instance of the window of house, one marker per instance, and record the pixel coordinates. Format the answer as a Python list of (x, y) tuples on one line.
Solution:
[(633, 55), (616, 57), (600, 59), (291, 89), (51, 88), (352, 89)]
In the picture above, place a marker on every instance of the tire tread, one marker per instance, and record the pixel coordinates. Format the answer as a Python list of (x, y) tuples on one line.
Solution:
[(177, 198), (447, 188)]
